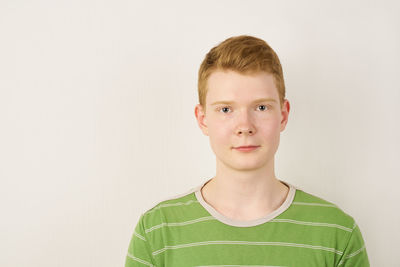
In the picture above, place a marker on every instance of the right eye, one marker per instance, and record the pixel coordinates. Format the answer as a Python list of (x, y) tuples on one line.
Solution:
[(224, 109)]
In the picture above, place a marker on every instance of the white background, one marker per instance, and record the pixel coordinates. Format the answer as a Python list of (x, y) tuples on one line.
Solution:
[(97, 116)]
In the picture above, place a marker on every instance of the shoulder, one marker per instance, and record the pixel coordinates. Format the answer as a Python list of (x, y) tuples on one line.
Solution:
[(170, 209), (316, 209), (327, 225)]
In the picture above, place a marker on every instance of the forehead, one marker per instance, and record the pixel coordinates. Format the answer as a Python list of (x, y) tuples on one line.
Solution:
[(236, 87)]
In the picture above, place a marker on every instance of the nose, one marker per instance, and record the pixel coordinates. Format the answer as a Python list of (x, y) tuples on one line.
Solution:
[(245, 131), (245, 126)]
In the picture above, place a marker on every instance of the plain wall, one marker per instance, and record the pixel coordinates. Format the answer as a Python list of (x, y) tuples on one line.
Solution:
[(97, 116)]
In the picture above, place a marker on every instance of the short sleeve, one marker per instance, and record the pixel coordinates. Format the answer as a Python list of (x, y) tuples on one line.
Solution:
[(139, 251), (355, 253)]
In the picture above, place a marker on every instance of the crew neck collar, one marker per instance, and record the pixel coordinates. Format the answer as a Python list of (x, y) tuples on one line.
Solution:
[(239, 223)]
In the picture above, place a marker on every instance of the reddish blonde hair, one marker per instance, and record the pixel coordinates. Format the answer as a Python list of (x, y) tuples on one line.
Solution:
[(243, 54)]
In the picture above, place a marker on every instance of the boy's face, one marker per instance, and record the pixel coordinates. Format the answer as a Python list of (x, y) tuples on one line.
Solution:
[(243, 110)]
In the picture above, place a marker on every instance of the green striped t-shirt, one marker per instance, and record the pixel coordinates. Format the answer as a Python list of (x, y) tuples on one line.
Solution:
[(304, 231)]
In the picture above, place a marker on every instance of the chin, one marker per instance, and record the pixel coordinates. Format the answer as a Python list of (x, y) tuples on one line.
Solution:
[(246, 166)]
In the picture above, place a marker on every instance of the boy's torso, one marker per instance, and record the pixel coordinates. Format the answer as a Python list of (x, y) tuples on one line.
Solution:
[(307, 231)]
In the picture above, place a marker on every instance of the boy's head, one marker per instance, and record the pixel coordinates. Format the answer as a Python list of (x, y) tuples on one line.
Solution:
[(241, 83), (245, 55)]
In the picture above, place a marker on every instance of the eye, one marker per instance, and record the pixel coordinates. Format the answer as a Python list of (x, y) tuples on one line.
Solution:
[(264, 107), (223, 109)]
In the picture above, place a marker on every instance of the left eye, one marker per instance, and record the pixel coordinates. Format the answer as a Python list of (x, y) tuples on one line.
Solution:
[(264, 107)]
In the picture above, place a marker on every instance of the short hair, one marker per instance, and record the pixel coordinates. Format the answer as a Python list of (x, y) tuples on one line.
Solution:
[(244, 54)]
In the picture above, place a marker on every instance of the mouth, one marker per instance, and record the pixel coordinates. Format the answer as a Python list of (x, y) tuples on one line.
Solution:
[(246, 148)]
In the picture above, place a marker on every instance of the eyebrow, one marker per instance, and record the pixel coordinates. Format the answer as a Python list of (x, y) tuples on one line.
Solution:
[(255, 101)]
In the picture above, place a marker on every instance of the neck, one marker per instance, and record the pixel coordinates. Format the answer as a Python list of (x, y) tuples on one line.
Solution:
[(239, 192)]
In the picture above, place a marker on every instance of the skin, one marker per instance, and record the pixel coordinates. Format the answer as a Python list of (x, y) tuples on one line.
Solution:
[(245, 186)]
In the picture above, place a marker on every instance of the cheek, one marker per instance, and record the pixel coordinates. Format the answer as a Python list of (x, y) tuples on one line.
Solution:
[(270, 128), (220, 134), (219, 141)]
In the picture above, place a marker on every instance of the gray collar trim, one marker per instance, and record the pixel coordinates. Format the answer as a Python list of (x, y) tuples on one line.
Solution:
[(217, 215)]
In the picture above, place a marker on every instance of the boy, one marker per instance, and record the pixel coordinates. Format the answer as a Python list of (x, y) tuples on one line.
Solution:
[(244, 216)]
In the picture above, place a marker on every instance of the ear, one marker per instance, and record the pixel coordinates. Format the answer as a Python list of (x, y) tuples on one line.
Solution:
[(201, 118), (285, 114)]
